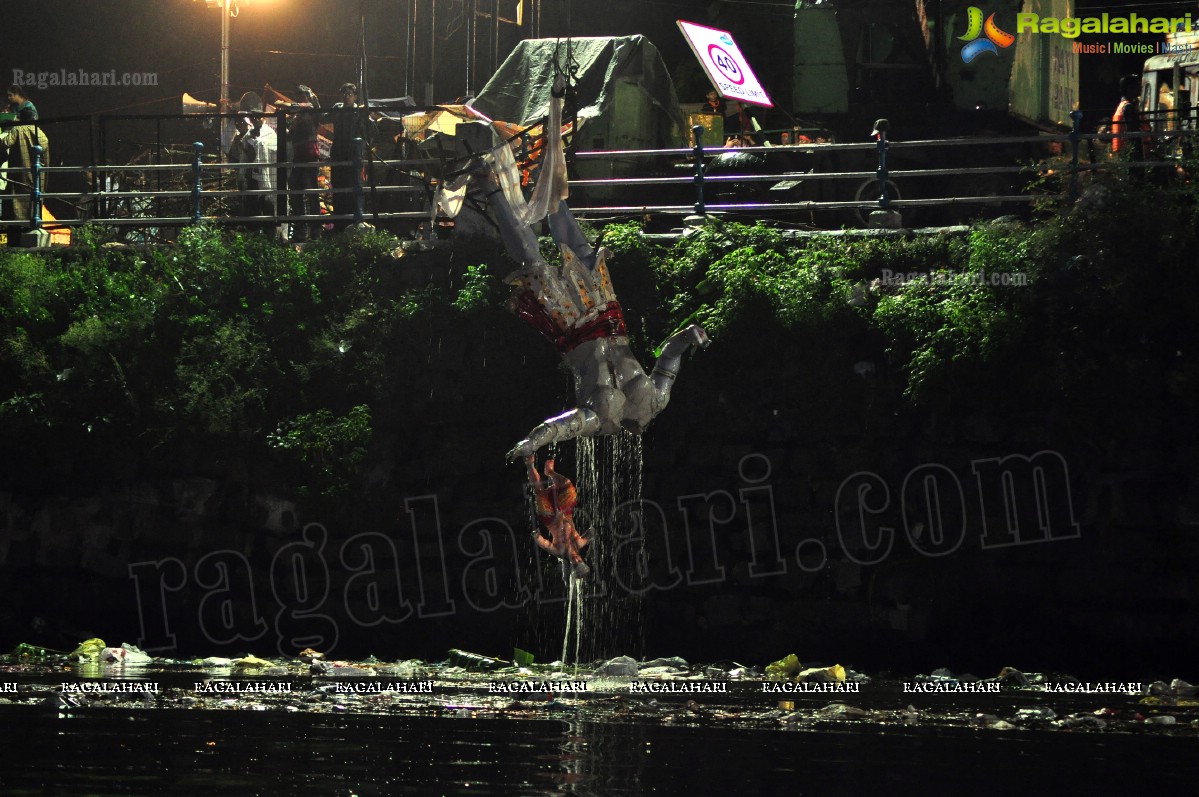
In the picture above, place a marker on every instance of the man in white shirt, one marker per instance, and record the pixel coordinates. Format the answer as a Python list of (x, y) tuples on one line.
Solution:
[(256, 143)]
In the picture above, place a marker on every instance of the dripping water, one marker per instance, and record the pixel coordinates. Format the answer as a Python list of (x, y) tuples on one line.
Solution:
[(574, 616), (603, 614), (603, 617)]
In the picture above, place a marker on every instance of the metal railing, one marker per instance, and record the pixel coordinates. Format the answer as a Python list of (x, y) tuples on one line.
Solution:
[(202, 197)]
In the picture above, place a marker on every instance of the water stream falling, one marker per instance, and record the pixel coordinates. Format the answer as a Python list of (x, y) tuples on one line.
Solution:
[(574, 617), (603, 617)]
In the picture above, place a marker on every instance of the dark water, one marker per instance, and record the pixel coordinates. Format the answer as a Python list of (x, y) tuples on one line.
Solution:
[(211, 753)]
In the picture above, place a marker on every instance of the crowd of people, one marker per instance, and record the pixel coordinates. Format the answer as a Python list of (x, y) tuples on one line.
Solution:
[(253, 143), (256, 142)]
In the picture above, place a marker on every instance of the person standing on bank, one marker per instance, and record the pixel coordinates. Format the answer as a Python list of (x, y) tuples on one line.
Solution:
[(256, 143), (349, 123), (305, 154), (18, 101), (1127, 119), (20, 141), (714, 106)]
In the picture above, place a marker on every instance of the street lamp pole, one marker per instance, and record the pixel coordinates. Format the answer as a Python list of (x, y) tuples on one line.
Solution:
[(225, 17), (228, 10)]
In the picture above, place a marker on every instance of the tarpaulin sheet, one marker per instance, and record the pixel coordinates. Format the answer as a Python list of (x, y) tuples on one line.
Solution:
[(520, 89)]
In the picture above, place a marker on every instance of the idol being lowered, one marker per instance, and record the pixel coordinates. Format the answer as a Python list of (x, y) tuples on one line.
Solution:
[(575, 307)]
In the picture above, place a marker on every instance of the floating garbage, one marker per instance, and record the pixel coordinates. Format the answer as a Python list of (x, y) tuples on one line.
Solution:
[(408, 670), (1010, 676), (447, 688), (342, 669), (789, 668), (1086, 722), (732, 670), (61, 702), (473, 661), (783, 668), (1161, 719), (822, 675), (619, 667), (660, 672), (27, 651), (308, 655), (1176, 688), (89, 650), (842, 711), (125, 654)]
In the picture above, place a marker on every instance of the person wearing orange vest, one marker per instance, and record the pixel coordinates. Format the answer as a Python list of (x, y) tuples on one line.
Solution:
[(1127, 119)]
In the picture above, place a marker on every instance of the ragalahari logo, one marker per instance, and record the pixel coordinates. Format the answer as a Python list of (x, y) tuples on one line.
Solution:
[(995, 38)]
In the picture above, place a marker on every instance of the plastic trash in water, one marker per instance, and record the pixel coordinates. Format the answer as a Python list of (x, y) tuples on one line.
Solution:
[(125, 654), (473, 661), (1162, 719), (618, 667), (310, 656), (112, 655), (823, 675), (89, 650), (27, 651), (784, 668)]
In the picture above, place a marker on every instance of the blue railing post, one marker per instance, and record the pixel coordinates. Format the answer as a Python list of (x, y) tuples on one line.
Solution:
[(358, 214), (35, 192), (197, 185), (1075, 138), (698, 133), (884, 200)]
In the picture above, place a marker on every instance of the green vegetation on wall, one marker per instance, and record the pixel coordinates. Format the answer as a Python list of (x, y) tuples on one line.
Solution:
[(232, 343)]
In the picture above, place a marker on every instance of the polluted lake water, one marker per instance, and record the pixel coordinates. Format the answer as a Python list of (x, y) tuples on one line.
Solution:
[(473, 724)]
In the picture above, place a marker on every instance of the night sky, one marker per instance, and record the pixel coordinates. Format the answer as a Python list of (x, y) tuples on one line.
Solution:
[(285, 42)]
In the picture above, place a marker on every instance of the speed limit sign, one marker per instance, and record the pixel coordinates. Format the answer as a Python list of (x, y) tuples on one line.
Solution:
[(724, 64)]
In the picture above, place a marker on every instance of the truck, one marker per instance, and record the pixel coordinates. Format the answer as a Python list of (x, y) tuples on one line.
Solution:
[(1170, 88)]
